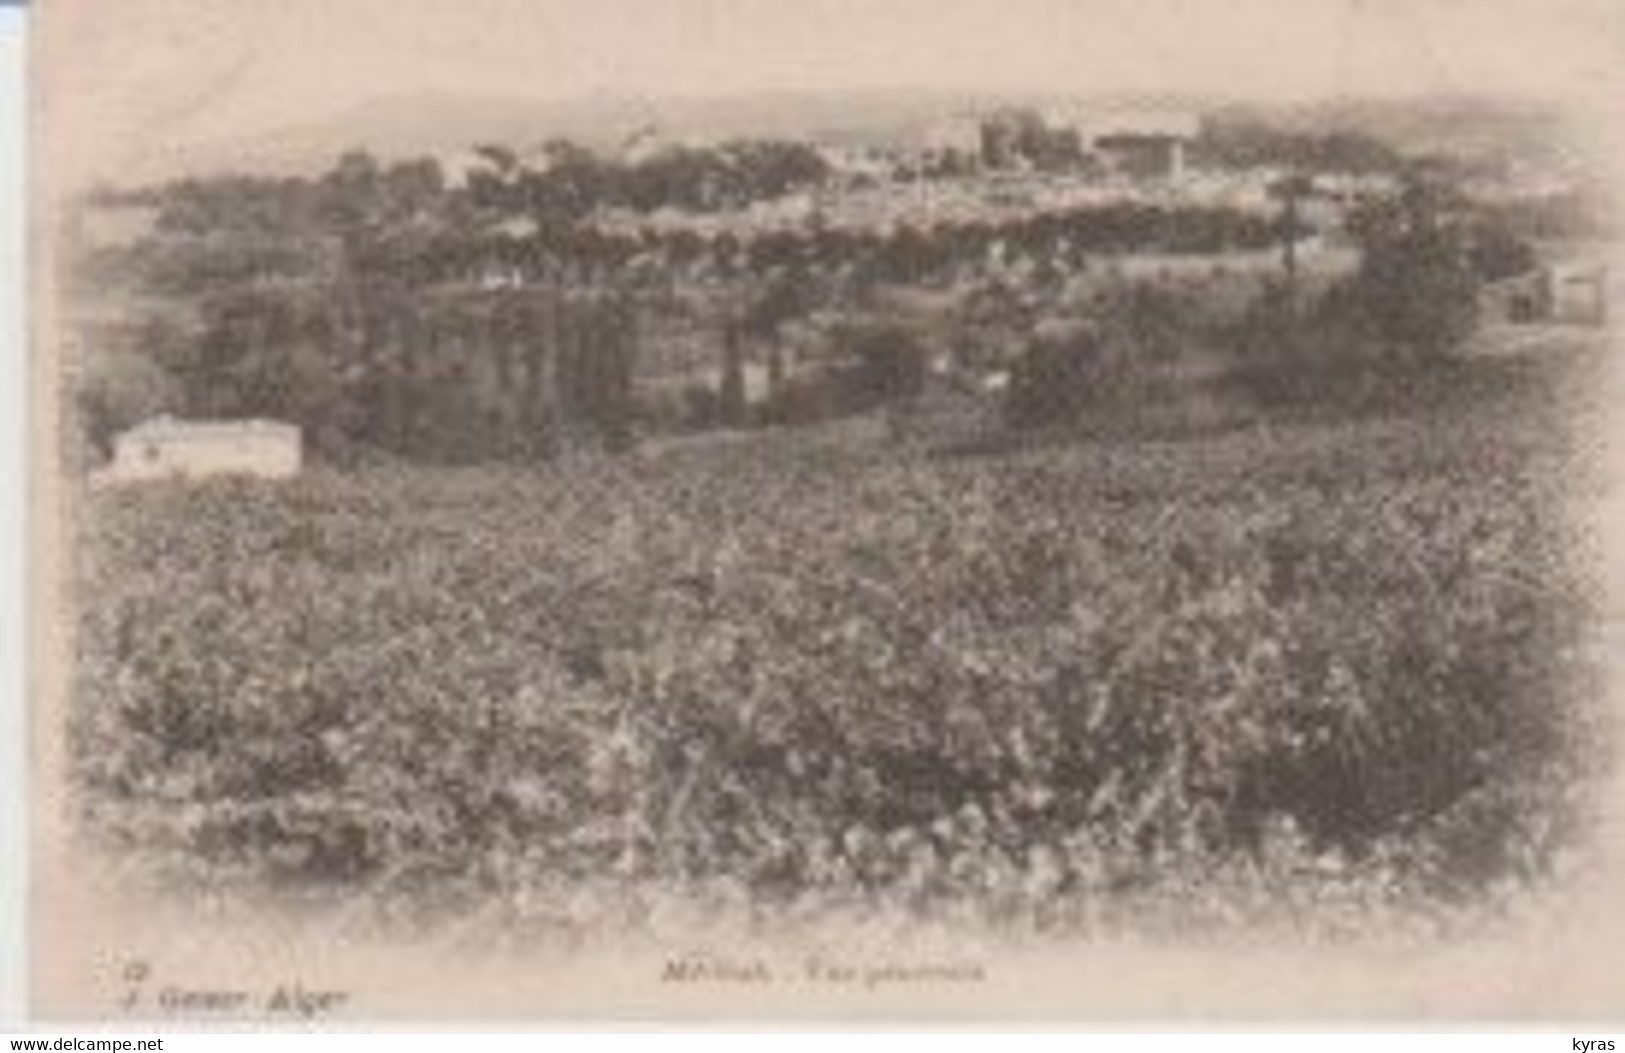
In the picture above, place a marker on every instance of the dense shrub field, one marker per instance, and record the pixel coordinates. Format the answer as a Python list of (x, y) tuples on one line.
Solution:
[(1316, 674)]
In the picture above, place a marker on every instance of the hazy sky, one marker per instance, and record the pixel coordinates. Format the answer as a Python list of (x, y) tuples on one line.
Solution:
[(202, 69)]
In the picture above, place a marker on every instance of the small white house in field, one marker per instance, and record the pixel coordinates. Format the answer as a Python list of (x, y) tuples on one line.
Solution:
[(168, 448)]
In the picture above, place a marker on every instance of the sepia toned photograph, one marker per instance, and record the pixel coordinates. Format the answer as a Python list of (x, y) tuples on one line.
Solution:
[(814, 510)]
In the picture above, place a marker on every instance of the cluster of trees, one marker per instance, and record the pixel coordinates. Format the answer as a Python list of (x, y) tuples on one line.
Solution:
[(1054, 242), (1128, 353), (565, 184), (1253, 144), (371, 367), (1017, 136), (1421, 264), (371, 231), (357, 193), (403, 222), (1381, 336)]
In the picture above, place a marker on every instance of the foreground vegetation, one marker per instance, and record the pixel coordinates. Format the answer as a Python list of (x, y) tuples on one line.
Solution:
[(1306, 671)]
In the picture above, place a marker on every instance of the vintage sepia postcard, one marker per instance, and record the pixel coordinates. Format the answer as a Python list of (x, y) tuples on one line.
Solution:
[(972, 511)]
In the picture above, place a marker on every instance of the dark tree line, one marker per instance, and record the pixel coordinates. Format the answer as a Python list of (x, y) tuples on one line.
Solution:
[(402, 224), (380, 307), (1251, 144), (1384, 336), (369, 367)]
